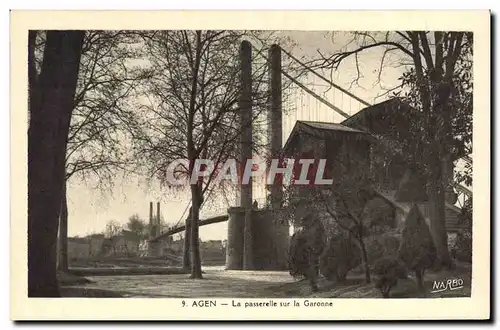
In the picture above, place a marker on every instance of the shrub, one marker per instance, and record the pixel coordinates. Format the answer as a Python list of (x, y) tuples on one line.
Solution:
[(305, 249), (417, 249), (378, 216), (388, 270), (298, 255), (379, 246), (339, 257), (462, 247)]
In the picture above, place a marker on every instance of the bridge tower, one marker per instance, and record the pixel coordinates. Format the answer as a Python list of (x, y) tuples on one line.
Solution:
[(275, 220), (258, 239)]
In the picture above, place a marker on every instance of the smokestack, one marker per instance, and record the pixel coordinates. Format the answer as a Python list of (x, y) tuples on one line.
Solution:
[(150, 213), (151, 224), (157, 218)]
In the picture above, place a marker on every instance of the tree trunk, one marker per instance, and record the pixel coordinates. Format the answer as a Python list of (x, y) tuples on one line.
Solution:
[(438, 218), (50, 115), (192, 155), (420, 281), (62, 265), (364, 259), (385, 292), (195, 241), (186, 260)]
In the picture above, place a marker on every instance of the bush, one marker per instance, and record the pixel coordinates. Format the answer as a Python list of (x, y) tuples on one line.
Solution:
[(379, 246), (339, 257), (417, 249), (378, 216), (462, 247), (388, 270), (298, 255), (305, 249)]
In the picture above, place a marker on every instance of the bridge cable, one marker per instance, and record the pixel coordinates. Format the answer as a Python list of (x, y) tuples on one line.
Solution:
[(319, 98), (325, 79)]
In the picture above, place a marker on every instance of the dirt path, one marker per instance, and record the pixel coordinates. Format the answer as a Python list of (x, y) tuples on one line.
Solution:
[(216, 283)]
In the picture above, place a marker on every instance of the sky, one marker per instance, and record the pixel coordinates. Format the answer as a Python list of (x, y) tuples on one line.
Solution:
[(89, 210)]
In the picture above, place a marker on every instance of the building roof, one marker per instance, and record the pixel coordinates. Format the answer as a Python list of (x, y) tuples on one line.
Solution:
[(375, 114), (330, 126), (323, 130)]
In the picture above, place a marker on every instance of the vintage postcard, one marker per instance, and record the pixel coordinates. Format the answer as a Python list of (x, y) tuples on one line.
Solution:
[(241, 165)]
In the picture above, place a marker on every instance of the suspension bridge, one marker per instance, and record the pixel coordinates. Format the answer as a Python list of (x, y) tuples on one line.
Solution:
[(304, 95)]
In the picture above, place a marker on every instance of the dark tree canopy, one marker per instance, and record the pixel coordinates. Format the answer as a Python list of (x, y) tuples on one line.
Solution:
[(137, 225)]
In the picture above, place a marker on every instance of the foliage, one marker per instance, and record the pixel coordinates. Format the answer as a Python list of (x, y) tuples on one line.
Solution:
[(388, 270), (340, 207), (441, 105), (465, 217), (462, 246), (434, 115), (306, 247), (417, 249), (298, 262), (437, 81), (341, 255), (138, 226), (382, 245), (378, 216)]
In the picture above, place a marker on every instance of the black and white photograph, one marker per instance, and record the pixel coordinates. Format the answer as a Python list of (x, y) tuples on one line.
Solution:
[(242, 168)]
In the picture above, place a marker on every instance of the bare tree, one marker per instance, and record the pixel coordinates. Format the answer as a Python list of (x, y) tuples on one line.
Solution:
[(192, 110), (113, 229), (102, 121), (438, 87), (51, 95)]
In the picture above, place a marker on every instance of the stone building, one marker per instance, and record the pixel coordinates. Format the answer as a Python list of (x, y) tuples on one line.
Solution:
[(354, 158)]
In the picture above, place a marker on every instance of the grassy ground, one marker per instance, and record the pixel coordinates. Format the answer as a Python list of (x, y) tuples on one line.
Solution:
[(251, 284), (355, 287)]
